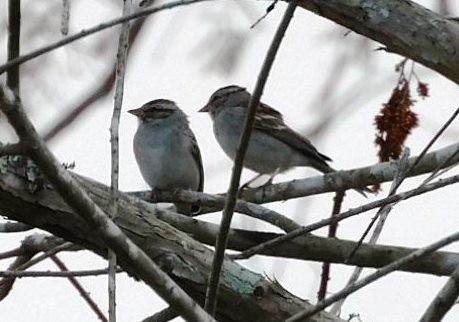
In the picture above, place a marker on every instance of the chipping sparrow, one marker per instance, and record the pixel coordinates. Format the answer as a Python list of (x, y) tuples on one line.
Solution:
[(274, 147), (166, 150)]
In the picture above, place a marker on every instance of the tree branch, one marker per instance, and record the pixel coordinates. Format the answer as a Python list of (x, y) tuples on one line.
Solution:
[(308, 312), (402, 26), (187, 261), (444, 300), (347, 179), (121, 61), (84, 33), (114, 238), (14, 35), (233, 190)]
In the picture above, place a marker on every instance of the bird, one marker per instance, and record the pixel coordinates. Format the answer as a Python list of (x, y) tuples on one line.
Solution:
[(273, 147), (166, 150)]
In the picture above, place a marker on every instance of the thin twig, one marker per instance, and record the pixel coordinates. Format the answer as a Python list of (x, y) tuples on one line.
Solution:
[(347, 214), (431, 142), (381, 215), (23, 262), (14, 35), (384, 211), (107, 230), (84, 33), (66, 274), (65, 17), (121, 61), (444, 300), (303, 315), (85, 295), (222, 239), (332, 229), (400, 175), (97, 94)]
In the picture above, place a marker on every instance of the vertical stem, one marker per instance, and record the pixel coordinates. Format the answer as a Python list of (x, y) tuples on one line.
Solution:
[(114, 141), (222, 238), (14, 23), (332, 229)]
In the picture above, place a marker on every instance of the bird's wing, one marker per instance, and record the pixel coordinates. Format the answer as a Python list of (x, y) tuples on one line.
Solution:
[(196, 153), (270, 121)]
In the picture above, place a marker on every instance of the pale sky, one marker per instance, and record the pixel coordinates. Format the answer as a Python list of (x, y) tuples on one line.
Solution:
[(171, 60)]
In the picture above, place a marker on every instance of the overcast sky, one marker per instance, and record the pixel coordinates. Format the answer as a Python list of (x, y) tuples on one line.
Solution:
[(179, 57)]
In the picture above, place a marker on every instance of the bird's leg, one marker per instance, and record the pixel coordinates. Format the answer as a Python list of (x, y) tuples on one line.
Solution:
[(271, 178), (246, 185)]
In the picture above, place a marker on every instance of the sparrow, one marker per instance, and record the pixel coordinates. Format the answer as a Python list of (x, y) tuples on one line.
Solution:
[(166, 150), (273, 148)]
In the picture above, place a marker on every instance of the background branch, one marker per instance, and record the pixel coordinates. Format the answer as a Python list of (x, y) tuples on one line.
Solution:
[(402, 26)]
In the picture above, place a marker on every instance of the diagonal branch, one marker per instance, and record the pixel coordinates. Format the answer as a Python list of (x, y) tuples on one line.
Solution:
[(97, 94), (184, 259), (85, 295), (444, 300), (402, 26), (222, 239), (307, 313), (344, 180), (347, 214), (84, 33), (78, 200)]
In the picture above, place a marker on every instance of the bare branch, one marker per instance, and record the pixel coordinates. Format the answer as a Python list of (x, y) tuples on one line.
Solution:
[(72, 193), (24, 261), (65, 274), (332, 229), (84, 33), (14, 35), (186, 260), (344, 180), (65, 17), (222, 239), (403, 26), (350, 213), (85, 295), (444, 300), (213, 203), (100, 91), (384, 211), (121, 61), (375, 276), (306, 247)]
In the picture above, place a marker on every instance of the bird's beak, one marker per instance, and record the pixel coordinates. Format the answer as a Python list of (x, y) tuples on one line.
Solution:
[(137, 112), (205, 109)]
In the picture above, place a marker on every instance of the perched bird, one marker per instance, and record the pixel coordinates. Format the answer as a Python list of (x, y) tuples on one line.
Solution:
[(273, 148), (166, 150)]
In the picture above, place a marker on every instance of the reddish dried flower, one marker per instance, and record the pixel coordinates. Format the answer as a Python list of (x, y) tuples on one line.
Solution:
[(395, 122), (423, 89)]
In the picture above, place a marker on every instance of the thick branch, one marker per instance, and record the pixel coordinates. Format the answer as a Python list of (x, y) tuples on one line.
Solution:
[(343, 180), (244, 295), (80, 202), (402, 26)]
